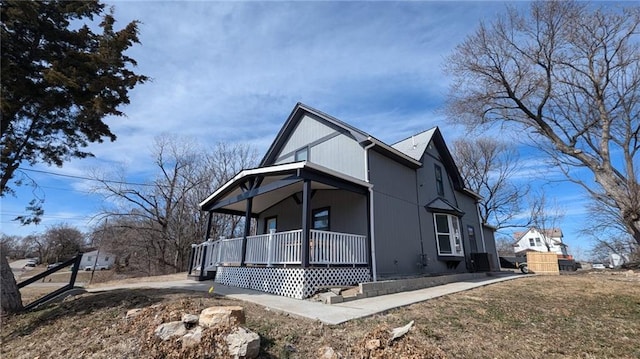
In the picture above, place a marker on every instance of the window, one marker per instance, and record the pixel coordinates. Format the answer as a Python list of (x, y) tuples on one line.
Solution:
[(439, 182), (89, 258), (321, 219), (302, 154), (270, 223), (532, 243), (538, 242), (448, 235), (472, 238), (106, 259)]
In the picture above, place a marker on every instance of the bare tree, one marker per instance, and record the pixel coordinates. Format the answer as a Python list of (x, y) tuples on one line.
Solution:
[(164, 213), (64, 242), (504, 246), (58, 242), (11, 246), (623, 246), (545, 216), (569, 76), (488, 167)]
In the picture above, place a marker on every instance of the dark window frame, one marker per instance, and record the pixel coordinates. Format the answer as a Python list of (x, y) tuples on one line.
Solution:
[(439, 179), (304, 150), (266, 223), (313, 218)]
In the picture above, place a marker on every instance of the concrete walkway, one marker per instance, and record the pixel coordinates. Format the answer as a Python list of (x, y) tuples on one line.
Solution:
[(326, 313)]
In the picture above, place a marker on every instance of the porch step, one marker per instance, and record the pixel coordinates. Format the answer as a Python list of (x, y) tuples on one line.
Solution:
[(198, 278)]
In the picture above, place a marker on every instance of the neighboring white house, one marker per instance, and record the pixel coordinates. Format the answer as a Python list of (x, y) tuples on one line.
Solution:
[(105, 260), (535, 240)]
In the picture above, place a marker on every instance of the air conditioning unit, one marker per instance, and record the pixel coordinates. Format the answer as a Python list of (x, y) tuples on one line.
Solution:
[(483, 261)]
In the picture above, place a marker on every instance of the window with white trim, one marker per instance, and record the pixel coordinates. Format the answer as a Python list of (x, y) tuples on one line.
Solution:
[(448, 235)]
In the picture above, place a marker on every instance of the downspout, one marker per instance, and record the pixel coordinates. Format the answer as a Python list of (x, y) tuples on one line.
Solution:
[(484, 248), (374, 269)]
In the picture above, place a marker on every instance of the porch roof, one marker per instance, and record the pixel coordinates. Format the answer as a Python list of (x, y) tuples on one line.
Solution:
[(272, 184)]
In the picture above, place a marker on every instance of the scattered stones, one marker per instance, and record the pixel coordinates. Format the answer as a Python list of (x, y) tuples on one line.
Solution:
[(243, 343), (166, 331), (190, 330), (215, 316)]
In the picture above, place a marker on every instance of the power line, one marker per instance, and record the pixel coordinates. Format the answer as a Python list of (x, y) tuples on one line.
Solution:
[(86, 178)]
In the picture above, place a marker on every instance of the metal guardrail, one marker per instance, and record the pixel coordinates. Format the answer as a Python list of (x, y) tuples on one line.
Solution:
[(72, 280)]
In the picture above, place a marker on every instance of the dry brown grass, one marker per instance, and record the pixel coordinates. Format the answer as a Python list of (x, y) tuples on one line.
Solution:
[(568, 316)]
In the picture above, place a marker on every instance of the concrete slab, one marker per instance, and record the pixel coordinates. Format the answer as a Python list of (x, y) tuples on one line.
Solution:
[(327, 313)]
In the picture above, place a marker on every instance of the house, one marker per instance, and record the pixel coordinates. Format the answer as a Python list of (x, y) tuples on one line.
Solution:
[(334, 206), (104, 260), (535, 239)]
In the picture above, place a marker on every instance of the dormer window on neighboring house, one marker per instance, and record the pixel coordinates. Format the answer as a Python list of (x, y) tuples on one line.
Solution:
[(302, 154), (439, 182)]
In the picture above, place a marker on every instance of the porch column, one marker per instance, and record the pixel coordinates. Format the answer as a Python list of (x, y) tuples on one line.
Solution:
[(208, 230), (247, 229), (306, 221)]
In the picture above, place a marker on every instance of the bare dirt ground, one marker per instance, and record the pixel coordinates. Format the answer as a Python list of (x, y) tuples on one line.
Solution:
[(586, 315)]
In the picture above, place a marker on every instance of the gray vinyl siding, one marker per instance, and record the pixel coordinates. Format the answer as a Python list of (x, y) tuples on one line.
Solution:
[(427, 177), (397, 235), (307, 131), (348, 212), (463, 201), (326, 147), (341, 154)]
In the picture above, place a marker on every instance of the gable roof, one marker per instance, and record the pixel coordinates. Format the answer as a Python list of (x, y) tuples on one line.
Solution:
[(442, 205), (416, 145), (363, 138), (403, 151), (549, 233)]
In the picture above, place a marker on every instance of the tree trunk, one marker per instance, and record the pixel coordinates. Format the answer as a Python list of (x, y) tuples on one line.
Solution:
[(10, 295)]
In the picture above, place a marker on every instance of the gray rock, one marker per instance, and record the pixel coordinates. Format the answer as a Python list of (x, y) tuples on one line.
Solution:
[(132, 313), (214, 316), (192, 338), (166, 331), (243, 343), (190, 318)]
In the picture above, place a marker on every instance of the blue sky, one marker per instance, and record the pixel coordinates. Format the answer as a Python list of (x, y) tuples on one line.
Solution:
[(232, 71)]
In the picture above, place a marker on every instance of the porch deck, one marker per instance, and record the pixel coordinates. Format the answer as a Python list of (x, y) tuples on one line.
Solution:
[(273, 262)]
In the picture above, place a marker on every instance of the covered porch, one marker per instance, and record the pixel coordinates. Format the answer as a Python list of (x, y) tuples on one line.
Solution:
[(293, 257)]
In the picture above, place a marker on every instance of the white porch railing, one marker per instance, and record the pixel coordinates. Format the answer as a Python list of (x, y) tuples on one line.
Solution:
[(337, 248), (228, 250), (326, 248), (274, 248)]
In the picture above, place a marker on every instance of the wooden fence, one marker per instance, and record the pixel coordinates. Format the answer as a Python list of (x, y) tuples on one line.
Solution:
[(543, 263)]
